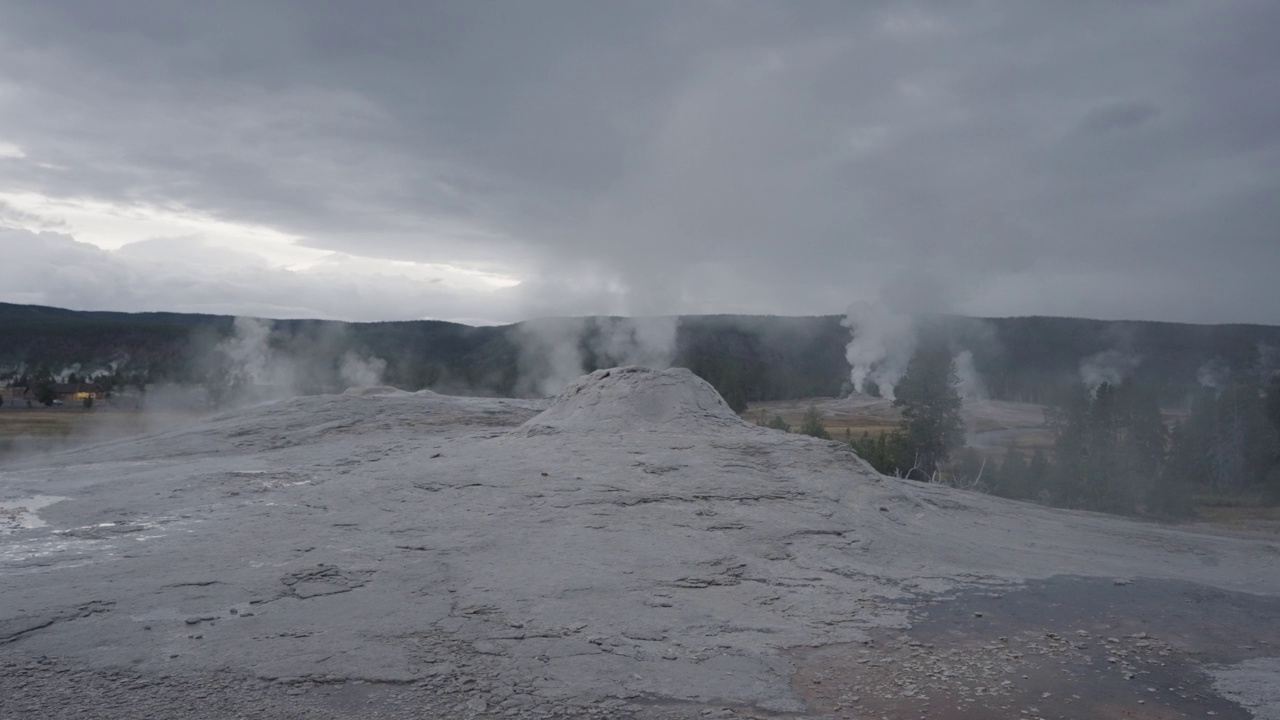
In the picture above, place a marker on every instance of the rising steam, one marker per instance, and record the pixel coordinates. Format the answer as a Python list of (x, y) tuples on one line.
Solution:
[(882, 345), (361, 372), (247, 357), (1108, 366), (971, 385), (248, 367), (556, 351)]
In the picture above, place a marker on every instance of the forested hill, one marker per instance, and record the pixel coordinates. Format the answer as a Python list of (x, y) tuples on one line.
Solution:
[(748, 358)]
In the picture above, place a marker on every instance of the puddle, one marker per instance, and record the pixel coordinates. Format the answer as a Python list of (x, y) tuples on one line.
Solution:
[(1067, 647), (66, 548), (22, 514)]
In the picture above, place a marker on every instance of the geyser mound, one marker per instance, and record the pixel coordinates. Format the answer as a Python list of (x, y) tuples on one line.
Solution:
[(375, 391), (637, 398)]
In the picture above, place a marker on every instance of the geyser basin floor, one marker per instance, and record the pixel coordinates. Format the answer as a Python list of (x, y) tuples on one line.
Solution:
[(1066, 647), (636, 550)]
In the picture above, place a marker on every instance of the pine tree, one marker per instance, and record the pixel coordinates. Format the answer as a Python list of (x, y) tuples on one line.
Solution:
[(1010, 480), (1039, 476), (811, 424), (43, 386), (775, 423), (882, 452), (1271, 486)]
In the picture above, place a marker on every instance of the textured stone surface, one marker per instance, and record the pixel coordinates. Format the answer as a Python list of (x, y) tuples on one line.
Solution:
[(633, 549)]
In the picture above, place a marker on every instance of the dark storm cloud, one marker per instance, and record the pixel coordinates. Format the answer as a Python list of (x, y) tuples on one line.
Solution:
[(1096, 158)]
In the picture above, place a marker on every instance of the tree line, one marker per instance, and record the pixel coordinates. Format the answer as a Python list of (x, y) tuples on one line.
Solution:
[(747, 358), (1112, 451)]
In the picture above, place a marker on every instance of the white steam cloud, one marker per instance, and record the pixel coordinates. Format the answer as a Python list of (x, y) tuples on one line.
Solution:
[(245, 367), (1108, 366), (555, 351), (249, 359), (649, 342), (550, 354), (1213, 374), (65, 373), (882, 345), (971, 385), (1268, 363), (361, 372)]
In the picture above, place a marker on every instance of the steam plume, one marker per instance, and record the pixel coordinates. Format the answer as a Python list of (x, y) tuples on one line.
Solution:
[(1108, 366), (882, 345), (971, 385), (359, 372), (555, 351)]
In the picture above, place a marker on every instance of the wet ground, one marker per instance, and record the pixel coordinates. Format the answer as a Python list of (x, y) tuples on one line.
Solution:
[(1067, 647)]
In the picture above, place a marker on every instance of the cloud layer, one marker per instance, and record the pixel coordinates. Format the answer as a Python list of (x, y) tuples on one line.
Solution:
[(391, 161)]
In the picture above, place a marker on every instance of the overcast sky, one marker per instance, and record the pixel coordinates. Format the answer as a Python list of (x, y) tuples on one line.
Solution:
[(493, 161)]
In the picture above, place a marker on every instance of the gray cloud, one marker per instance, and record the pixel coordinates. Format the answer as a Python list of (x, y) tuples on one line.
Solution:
[(1104, 159)]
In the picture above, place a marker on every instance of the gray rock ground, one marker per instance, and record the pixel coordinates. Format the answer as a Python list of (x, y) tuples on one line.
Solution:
[(633, 550), (1253, 684)]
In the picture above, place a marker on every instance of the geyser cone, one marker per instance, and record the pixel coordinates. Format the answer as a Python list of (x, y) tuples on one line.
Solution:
[(637, 398)]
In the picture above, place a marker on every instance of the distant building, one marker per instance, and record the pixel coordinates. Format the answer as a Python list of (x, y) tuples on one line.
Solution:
[(64, 393), (68, 392)]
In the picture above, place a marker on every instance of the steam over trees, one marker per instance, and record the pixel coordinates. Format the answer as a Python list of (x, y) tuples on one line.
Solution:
[(929, 399), (931, 429), (1109, 451), (1113, 451), (1230, 443), (1273, 401), (1272, 492)]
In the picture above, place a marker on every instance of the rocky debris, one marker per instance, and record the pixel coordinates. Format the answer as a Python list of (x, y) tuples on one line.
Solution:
[(1002, 677)]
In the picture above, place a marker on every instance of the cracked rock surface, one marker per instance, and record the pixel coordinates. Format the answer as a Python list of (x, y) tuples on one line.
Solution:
[(631, 549)]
